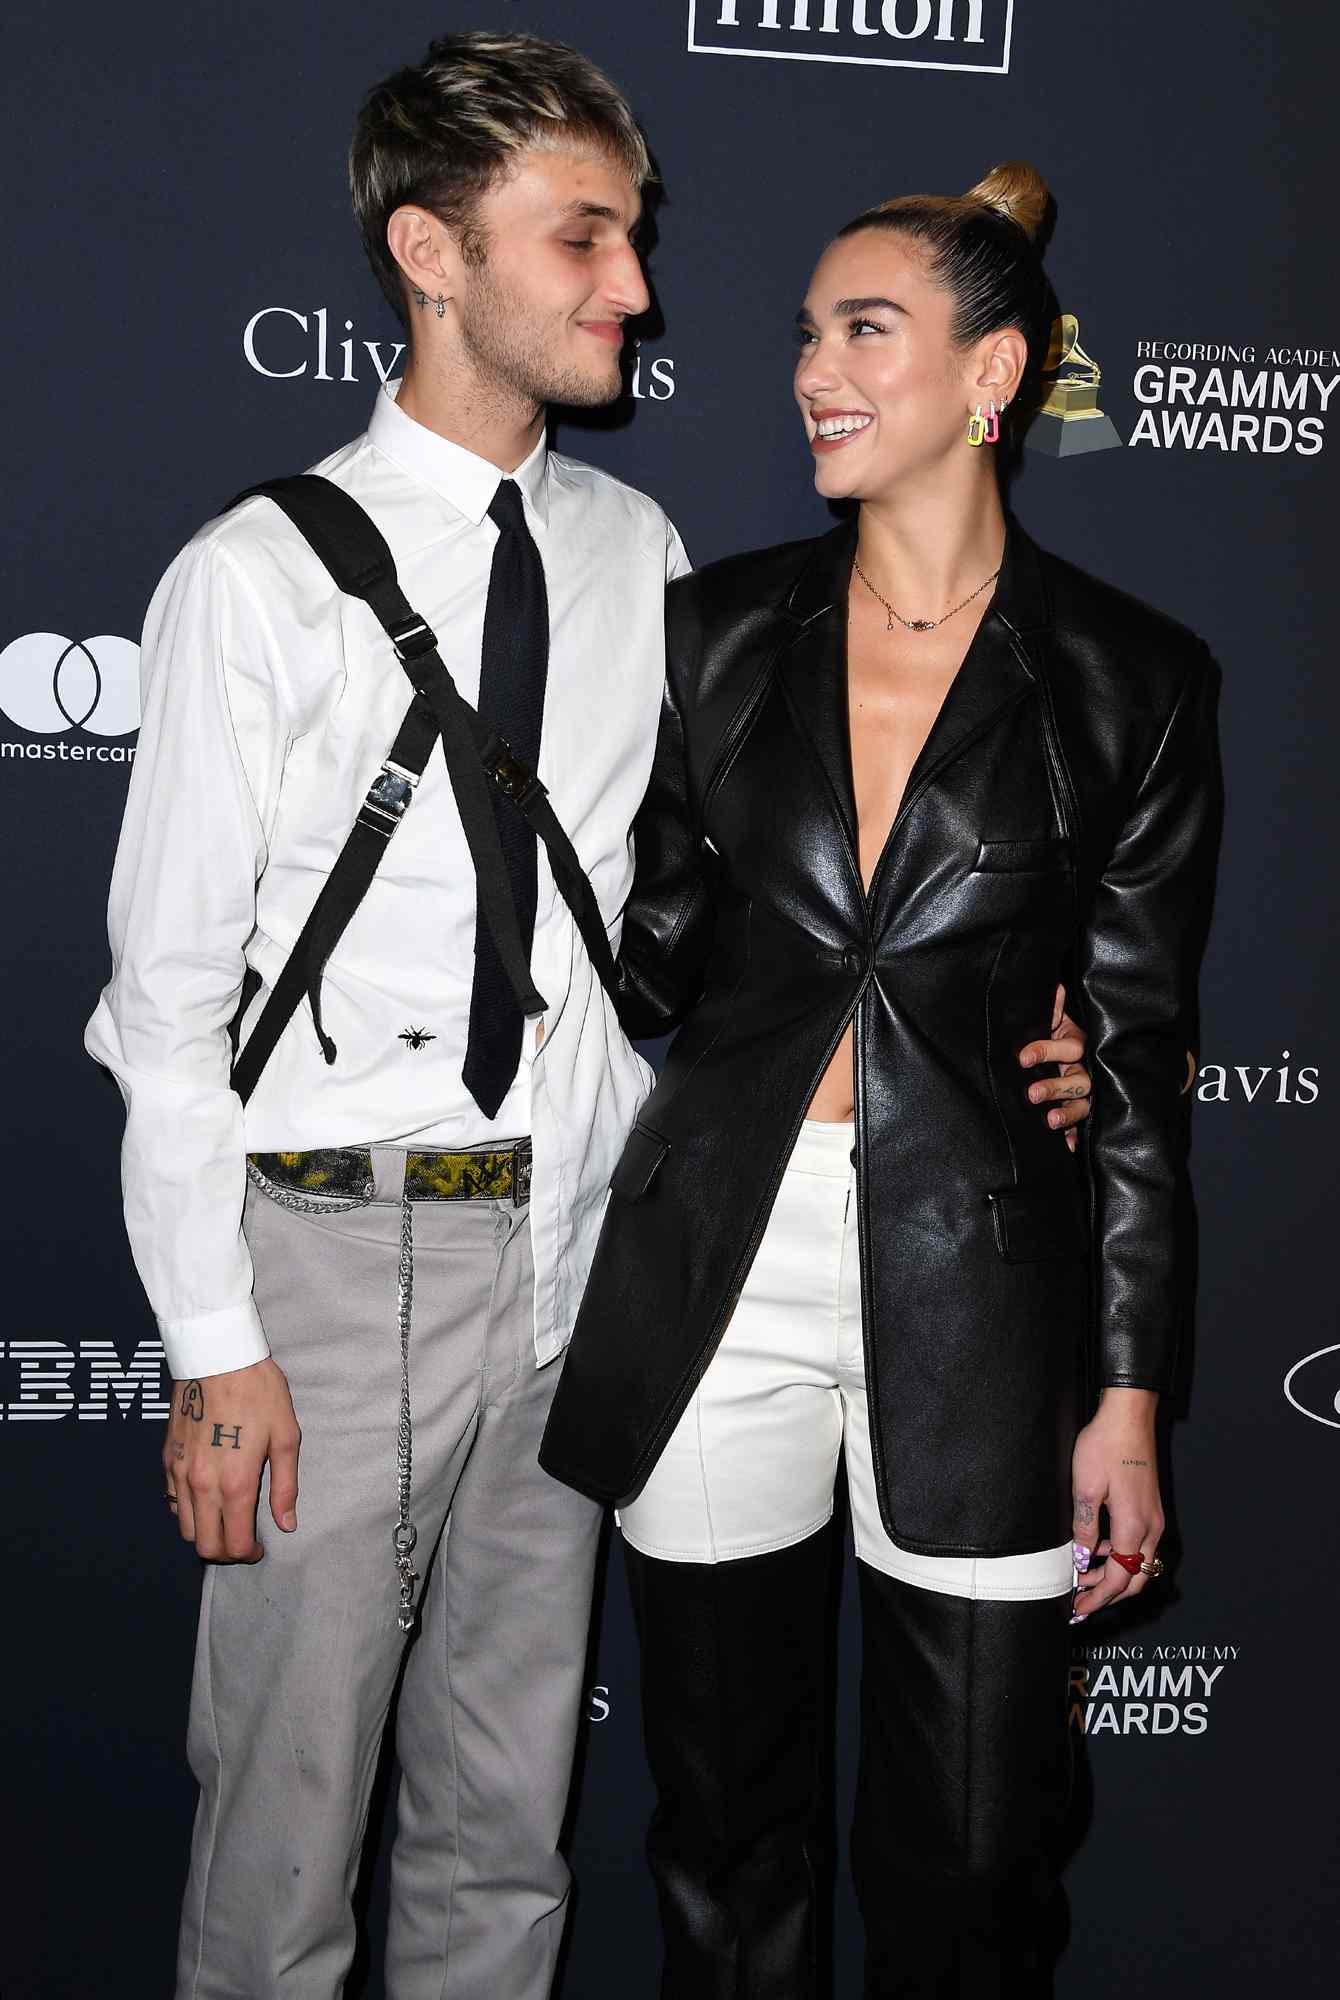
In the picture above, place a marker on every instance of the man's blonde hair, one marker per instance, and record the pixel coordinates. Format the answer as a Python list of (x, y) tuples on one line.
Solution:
[(442, 133)]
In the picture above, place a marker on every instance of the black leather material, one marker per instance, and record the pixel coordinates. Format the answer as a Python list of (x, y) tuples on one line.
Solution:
[(734, 1658), (1061, 823), (1035, 1224), (963, 1785), (640, 1158)]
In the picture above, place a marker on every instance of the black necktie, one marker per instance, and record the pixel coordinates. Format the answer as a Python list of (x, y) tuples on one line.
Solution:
[(513, 666)]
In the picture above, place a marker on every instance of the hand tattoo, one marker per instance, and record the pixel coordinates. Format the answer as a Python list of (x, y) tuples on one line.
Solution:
[(1084, 1513), (178, 1450), (233, 1436), (1135, 1461), (192, 1403)]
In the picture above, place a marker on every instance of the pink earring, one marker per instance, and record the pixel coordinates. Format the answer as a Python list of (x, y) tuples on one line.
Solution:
[(977, 427), (992, 434)]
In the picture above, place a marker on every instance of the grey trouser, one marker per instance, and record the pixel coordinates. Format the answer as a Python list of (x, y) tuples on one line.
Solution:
[(298, 1656)]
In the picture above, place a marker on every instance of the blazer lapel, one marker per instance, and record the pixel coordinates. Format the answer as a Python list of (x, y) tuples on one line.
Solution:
[(812, 670), (995, 672)]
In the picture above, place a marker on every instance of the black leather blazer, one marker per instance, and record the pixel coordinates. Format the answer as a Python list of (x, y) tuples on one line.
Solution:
[(1061, 823)]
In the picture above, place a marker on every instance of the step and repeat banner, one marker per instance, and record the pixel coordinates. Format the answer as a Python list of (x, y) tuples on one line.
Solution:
[(189, 311)]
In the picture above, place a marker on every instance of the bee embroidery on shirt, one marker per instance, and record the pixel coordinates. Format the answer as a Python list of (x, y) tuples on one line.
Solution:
[(415, 1038)]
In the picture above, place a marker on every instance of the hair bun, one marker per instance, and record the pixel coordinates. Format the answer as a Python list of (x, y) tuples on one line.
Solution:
[(1017, 191)]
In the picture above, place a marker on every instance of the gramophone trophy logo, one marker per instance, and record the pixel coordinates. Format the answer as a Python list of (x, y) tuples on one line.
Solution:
[(1070, 420)]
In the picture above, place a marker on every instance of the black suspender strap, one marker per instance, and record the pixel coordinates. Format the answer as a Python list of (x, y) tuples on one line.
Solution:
[(354, 551)]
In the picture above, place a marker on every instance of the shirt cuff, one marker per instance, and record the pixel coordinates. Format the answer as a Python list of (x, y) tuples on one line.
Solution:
[(213, 1343)]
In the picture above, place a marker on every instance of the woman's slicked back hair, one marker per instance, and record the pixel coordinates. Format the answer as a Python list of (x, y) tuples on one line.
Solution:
[(983, 247)]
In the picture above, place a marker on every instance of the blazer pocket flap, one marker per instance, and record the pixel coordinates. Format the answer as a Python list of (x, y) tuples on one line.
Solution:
[(638, 1162), (1036, 1225), (1022, 857)]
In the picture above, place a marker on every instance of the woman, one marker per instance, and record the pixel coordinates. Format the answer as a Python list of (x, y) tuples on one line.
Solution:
[(911, 775)]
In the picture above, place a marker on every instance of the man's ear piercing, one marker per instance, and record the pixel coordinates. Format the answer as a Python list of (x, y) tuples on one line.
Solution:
[(438, 304)]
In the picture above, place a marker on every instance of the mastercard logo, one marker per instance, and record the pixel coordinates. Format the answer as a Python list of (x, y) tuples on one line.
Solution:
[(49, 683)]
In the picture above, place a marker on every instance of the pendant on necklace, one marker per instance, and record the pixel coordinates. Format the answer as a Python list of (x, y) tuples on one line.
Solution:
[(921, 625)]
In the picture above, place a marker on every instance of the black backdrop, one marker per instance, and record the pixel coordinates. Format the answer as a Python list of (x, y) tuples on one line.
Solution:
[(175, 172)]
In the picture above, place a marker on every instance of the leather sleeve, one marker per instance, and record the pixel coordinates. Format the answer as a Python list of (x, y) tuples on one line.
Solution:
[(669, 918), (1140, 954)]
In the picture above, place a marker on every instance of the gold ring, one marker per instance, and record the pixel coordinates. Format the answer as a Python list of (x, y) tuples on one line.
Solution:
[(1152, 1566)]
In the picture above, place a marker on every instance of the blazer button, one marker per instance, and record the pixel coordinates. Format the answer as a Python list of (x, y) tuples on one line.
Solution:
[(853, 961)]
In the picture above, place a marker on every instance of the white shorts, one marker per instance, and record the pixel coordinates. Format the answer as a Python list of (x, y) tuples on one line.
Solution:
[(751, 1464)]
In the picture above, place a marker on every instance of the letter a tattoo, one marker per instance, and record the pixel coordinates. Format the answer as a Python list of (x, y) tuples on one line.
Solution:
[(192, 1403)]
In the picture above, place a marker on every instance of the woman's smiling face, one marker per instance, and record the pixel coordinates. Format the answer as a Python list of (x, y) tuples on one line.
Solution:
[(881, 385)]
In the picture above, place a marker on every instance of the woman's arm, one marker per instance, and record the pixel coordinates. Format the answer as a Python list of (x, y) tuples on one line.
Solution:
[(1140, 959)]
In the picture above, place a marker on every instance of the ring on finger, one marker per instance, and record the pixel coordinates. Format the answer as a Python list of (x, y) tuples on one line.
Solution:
[(1152, 1566), (1132, 1564)]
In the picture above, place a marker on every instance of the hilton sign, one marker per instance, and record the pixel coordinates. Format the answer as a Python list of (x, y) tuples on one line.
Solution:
[(899, 34)]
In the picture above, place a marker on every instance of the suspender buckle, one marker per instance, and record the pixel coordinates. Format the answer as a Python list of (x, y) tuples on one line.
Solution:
[(390, 798), (515, 779), (412, 641)]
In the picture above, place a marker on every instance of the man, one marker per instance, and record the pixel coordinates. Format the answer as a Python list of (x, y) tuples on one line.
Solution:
[(389, 1243), (497, 188)]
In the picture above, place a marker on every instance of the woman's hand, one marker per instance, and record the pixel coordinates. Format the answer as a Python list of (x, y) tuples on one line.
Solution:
[(1066, 1095), (1115, 1466)]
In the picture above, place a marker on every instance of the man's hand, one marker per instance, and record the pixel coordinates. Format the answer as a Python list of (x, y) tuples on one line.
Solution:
[(1065, 1097), (221, 1431)]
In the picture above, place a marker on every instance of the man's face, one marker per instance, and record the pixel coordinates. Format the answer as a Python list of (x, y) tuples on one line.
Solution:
[(544, 314)]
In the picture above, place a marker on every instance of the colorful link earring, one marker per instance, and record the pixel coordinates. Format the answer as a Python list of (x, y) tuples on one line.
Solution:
[(985, 430)]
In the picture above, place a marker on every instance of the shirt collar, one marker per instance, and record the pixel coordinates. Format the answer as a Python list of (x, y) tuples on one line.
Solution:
[(466, 481)]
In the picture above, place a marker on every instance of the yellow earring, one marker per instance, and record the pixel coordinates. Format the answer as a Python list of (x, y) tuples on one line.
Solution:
[(977, 427)]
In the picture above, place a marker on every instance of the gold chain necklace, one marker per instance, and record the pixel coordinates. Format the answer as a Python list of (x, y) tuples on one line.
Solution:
[(924, 624)]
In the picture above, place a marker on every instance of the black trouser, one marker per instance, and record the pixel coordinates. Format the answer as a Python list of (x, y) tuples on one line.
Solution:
[(964, 1776)]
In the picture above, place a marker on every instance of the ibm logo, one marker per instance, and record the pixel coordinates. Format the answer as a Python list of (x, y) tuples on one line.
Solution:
[(898, 34), (88, 1381)]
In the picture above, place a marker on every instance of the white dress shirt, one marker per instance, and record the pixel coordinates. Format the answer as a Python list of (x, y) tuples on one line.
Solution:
[(270, 701)]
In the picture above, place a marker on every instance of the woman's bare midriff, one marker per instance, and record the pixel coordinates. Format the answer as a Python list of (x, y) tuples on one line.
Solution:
[(896, 683)]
